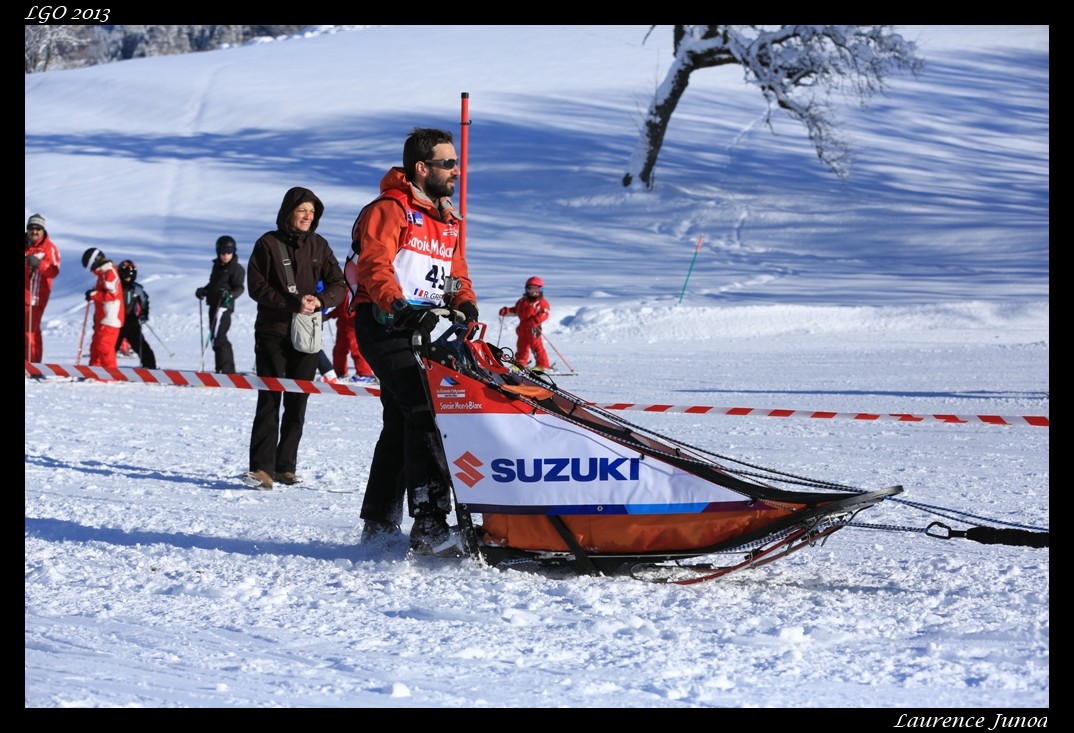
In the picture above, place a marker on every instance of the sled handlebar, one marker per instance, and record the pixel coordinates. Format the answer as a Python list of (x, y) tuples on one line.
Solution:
[(462, 341)]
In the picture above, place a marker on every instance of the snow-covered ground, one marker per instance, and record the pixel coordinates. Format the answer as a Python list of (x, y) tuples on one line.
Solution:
[(153, 578)]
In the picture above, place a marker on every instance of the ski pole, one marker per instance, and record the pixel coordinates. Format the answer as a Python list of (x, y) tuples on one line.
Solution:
[(556, 350), (201, 324), (82, 337), (696, 250), (30, 315), (159, 339), (500, 335)]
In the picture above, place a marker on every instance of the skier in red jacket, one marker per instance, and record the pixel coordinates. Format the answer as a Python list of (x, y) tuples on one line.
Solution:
[(109, 311), (42, 266), (532, 310), (347, 343)]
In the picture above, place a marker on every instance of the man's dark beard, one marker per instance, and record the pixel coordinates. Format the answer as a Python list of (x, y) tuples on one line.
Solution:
[(436, 187)]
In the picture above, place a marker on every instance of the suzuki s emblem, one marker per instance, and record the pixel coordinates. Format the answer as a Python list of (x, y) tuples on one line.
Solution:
[(469, 474)]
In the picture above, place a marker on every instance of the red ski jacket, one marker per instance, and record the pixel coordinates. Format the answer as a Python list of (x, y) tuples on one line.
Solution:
[(47, 270), (531, 313), (108, 297)]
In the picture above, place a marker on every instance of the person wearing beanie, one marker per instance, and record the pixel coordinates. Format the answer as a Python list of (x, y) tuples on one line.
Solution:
[(42, 260), (225, 285), (108, 313), (281, 291)]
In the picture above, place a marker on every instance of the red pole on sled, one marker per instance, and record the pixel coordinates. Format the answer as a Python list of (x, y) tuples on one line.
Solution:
[(464, 147)]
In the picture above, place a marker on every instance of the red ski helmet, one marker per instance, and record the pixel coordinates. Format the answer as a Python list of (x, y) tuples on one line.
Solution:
[(535, 282)]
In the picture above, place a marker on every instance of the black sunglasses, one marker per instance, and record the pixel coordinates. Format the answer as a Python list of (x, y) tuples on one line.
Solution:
[(35, 229), (446, 163)]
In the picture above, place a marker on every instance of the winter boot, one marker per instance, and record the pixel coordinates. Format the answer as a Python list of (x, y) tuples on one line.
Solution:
[(379, 531), (429, 532), (258, 480)]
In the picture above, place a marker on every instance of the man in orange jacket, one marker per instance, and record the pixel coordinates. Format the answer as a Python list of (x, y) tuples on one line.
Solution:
[(407, 251)]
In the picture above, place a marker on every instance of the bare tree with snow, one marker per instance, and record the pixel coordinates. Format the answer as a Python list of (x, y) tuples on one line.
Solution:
[(47, 44), (796, 67)]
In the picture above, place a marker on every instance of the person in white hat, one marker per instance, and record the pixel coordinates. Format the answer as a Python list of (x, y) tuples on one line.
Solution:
[(42, 267)]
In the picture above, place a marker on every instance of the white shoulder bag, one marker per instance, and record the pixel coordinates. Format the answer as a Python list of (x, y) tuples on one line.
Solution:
[(305, 328)]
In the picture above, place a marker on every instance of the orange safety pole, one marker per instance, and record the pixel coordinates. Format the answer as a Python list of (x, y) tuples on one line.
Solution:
[(464, 147)]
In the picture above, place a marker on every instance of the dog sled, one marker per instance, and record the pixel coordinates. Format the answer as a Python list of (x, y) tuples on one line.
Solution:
[(543, 479)]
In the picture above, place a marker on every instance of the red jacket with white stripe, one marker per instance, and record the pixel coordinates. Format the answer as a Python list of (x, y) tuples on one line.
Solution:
[(48, 269), (108, 297)]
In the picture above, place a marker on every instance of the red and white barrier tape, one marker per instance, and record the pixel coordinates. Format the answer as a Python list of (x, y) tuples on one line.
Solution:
[(1033, 420), (273, 384), (199, 379)]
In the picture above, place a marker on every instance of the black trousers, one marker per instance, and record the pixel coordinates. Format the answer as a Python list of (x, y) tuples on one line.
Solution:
[(132, 331), (225, 355), (409, 456), (274, 441)]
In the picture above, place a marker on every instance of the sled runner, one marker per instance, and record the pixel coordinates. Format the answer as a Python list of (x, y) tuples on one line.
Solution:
[(542, 478)]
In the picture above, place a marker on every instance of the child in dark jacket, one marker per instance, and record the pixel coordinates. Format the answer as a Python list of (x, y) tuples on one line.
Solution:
[(226, 283)]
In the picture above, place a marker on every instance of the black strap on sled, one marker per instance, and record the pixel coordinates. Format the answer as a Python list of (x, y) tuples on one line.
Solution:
[(990, 535), (586, 565)]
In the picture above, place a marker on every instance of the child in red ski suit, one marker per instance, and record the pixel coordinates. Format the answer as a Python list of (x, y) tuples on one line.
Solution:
[(109, 313), (532, 310), (347, 342)]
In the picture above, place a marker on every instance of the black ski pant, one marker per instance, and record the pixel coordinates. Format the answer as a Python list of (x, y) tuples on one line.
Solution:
[(409, 456), (274, 441), (132, 331), (225, 356)]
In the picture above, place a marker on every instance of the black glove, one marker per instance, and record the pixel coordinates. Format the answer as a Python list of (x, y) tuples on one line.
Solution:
[(34, 261), (143, 319), (469, 312), (225, 298), (536, 330), (89, 294), (405, 315), (200, 293)]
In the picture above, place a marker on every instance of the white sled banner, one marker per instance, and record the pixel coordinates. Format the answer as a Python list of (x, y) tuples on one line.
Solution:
[(507, 456)]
